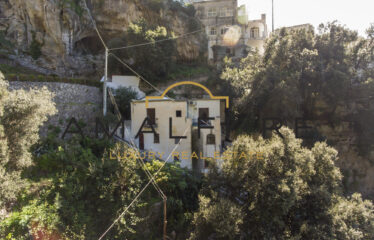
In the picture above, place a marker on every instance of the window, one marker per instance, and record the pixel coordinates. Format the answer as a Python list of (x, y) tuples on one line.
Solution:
[(222, 12), (212, 12), (204, 114), (178, 113), (156, 138), (255, 32), (151, 114), (210, 139), (230, 52), (224, 30), (229, 13), (213, 31)]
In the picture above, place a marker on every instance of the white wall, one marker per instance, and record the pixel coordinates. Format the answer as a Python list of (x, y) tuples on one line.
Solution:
[(164, 110), (126, 81), (214, 112)]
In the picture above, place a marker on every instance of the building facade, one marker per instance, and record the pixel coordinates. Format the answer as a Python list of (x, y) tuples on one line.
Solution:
[(187, 130), (229, 31)]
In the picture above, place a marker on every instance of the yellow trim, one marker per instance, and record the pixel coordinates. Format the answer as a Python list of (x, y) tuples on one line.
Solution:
[(226, 98)]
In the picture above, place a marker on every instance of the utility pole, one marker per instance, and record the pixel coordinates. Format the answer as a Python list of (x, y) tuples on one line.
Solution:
[(272, 13), (105, 82)]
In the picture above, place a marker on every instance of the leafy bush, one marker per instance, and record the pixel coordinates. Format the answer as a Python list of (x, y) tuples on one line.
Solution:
[(298, 70), (181, 186), (35, 48), (87, 190), (153, 61), (75, 5), (285, 192), (180, 71), (21, 115), (34, 219), (4, 43), (123, 96)]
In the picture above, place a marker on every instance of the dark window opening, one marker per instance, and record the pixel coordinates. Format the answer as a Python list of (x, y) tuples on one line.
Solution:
[(156, 138), (206, 163), (210, 139), (204, 114), (151, 114), (178, 113)]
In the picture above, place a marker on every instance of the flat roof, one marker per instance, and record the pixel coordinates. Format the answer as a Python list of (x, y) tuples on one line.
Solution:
[(173, 100)]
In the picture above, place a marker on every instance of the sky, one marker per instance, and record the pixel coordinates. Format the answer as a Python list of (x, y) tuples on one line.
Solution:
[(356, 15)]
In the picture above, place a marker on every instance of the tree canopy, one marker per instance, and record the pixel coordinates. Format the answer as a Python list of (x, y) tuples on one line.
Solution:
[(290, 192), (299, 69), (21, 115), (153, 61)]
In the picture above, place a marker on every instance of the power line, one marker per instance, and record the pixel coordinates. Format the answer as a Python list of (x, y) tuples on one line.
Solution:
[(147, 172), (145, 187), (94, 24), (137, 74), (162, 40)]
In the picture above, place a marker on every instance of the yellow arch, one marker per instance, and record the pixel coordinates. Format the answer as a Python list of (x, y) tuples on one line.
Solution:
[(226, 98)]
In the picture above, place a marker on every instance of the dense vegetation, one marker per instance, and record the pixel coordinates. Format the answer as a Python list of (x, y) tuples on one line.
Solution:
[(21, 115), (286, 191), (157, 62), (72, 189), (75, 191), (123, 96), (300, 71)]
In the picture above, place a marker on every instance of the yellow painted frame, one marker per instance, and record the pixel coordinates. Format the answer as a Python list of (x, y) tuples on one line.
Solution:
[(226, 98)]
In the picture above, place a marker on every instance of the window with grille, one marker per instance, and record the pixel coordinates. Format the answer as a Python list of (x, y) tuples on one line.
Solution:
[(210, 139)]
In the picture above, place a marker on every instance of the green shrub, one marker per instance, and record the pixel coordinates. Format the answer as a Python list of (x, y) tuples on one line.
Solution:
[(123, 96), (4, 43), (280, 190), (29, 220), (90, 189), (35, 48), (75, 5)]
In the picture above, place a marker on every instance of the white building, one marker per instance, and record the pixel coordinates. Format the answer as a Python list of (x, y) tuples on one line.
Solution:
[(229, 31), (175, 120), (125, 81)]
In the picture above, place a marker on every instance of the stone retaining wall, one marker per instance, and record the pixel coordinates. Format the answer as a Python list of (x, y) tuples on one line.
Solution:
[(72, 100)]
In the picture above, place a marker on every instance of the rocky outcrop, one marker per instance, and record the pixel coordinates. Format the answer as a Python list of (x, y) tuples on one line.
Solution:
[(66, 36)]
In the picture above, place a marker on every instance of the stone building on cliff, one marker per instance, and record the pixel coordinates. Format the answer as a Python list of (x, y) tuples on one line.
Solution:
[(229, 31)]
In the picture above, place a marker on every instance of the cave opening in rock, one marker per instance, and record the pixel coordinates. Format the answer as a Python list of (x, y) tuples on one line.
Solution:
[(88, 45)]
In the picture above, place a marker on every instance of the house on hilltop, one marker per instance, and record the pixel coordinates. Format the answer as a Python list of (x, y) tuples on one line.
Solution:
[(229, 31)]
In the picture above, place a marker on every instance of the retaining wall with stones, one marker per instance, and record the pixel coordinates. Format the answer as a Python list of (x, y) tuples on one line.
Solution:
[(72, 100)]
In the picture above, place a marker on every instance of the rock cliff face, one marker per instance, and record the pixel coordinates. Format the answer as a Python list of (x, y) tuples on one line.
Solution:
[(69, 45)]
